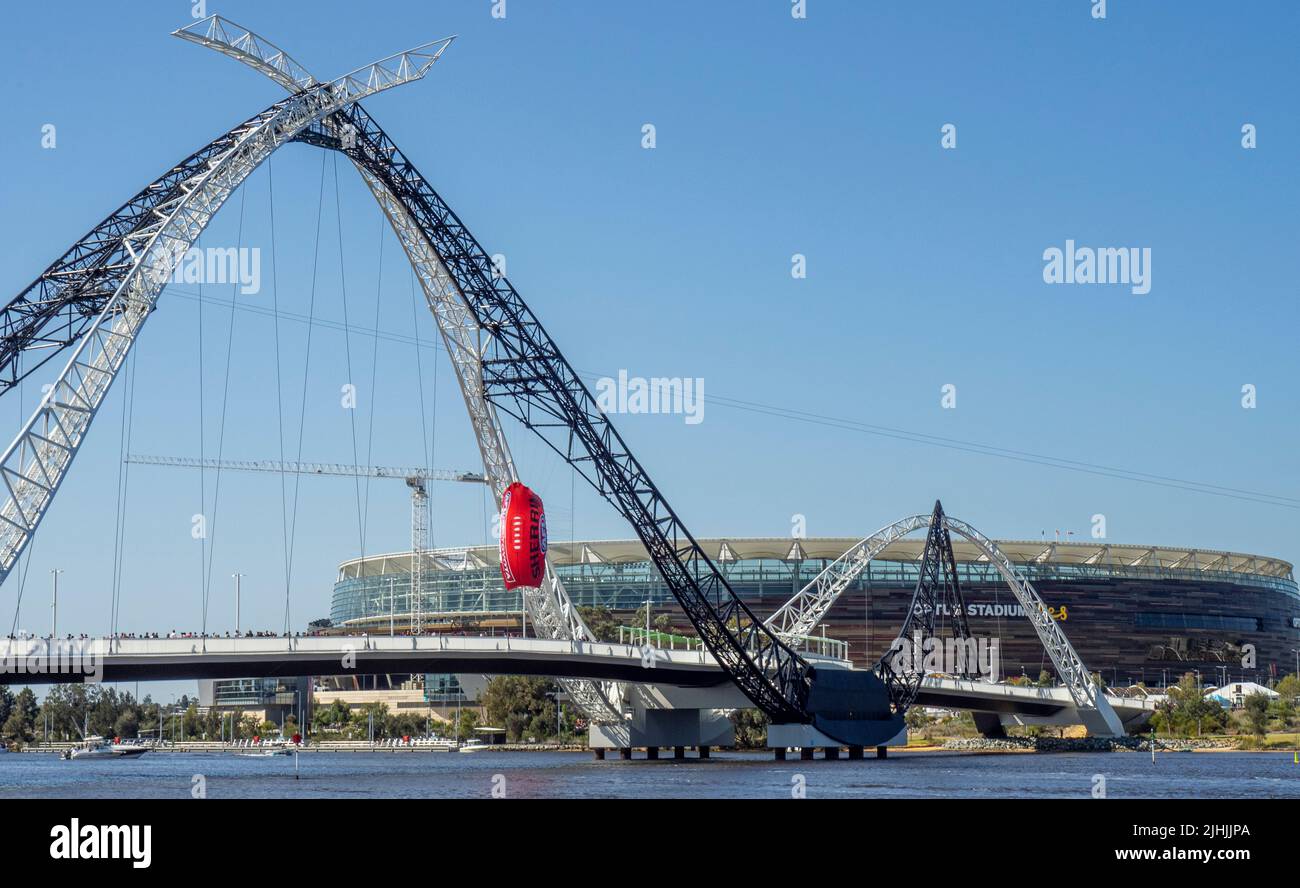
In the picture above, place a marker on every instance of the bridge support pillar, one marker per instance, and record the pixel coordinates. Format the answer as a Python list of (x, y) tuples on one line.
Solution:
[(679, 752), (625, 753), (651, 753), (882, 752), (599, 753), (780, 754), (704, 752), (665, 728), (807, 739)]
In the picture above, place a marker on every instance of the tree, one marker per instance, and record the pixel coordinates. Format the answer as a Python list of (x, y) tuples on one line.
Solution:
[(466, 724), (1288, 690), (1257, 713), (524, 706), (751, 728), (1186, 712), (127, 724), (21, 723), (601, 621)]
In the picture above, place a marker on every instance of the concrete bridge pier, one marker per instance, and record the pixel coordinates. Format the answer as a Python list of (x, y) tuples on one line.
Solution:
[(677, 729), (808, 740)]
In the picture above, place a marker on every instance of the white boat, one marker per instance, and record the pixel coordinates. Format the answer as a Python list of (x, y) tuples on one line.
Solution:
[(98, 747), (474, 745)]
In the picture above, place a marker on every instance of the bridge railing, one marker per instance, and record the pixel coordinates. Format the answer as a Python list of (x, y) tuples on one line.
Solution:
[(816, 645)]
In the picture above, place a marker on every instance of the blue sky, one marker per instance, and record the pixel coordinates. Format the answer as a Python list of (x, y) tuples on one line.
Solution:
[(775, 136)]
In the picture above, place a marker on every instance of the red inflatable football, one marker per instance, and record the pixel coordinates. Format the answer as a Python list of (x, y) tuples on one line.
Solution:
[(523, 537)]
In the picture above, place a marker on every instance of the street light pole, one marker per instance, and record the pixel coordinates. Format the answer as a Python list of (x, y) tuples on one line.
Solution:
[(54, 603), (238, 577)]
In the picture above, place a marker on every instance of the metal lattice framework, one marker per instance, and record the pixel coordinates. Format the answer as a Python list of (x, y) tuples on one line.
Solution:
[(549, 607), (808, 607), (524, 374), (101, 291), (134, 252), (805, 610), (937, 593)]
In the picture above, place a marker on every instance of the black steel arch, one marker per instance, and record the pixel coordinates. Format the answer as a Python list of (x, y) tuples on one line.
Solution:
[(526, 376)]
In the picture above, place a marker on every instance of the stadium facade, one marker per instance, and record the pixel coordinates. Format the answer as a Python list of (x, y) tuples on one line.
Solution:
[(1134, 613)]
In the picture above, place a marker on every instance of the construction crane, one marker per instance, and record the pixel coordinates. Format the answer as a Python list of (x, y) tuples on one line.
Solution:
[(417, 479)]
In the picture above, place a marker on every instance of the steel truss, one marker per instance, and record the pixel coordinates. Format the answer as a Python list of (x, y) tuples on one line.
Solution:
[(809, 606), (805, 610), (937, 593), (549, 607), (100, 292), (524, 374), (134, 251)]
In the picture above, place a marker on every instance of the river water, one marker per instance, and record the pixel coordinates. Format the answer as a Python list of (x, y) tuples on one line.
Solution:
[(726, 775)]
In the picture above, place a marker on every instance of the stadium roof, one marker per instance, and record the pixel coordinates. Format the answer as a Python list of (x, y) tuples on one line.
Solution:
[(725, 550)]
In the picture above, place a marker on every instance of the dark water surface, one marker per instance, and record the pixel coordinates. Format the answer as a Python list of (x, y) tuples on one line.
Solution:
[(726, 775)]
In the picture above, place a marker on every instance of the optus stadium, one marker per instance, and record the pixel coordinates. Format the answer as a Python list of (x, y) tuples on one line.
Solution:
[(1134, 613)]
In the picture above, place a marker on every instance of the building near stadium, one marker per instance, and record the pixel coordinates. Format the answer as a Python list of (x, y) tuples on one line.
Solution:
[(1134, 613)]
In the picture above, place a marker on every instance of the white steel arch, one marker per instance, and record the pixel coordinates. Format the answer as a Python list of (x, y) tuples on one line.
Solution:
[(550, 608), (805, 610), (35, 463)]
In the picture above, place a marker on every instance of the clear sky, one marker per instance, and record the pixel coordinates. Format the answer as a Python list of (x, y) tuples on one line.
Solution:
[(774, 136)]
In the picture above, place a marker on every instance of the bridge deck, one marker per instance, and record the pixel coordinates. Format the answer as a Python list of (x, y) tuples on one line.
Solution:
[(42, 661)]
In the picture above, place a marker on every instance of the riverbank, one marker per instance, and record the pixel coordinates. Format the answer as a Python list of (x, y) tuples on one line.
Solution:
[(1093, 744)]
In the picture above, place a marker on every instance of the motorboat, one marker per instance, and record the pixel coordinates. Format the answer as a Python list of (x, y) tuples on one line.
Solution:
[(99, 748)]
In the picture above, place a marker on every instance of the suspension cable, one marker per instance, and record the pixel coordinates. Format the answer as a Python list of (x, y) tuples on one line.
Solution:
[(221, 424), (374, 372), (302, 415), (347, 348), (123, 484), (203, 490), (279, 388)]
